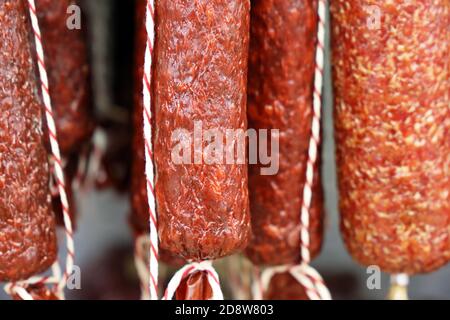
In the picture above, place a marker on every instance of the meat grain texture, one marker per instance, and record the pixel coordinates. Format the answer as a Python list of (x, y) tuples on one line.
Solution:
[(392, 118), (27, 224), (201, 57), (280, 85)]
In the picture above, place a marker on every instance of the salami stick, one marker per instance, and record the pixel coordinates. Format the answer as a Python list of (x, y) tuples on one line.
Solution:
[(139, 203), (281, 77), (200, 74), (69, 84), (392, 117), (284, 93), (27, 225), (68, 74)]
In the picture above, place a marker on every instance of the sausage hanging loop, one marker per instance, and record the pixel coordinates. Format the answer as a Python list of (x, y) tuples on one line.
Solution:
[(306, 275), (20, 289), (183, 273), (399, 287)]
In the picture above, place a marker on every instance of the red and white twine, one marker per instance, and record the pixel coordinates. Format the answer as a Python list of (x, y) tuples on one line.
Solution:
[(304, 273), (183, 273), (56, 279), (149, 170), (141, 259)]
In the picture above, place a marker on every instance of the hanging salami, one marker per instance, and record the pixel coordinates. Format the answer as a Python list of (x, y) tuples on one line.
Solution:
[(281, 76), (70, 90), (139, 204), (27, 224), (392, 117), (68, 74), (200, 74)]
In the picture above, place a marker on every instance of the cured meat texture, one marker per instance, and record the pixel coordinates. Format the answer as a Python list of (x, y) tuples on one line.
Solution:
[(281, 75), (392, 117), (200, 74), (68, 72), (139, 204), (27, 224)]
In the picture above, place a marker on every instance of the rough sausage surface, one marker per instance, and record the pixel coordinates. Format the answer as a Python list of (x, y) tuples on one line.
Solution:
[(67, 65), (392, 121), (27, 225), (281, 70), (139, 204), (200, 74)]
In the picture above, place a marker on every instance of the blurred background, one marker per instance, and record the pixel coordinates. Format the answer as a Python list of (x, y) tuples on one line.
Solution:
[(104, 241)]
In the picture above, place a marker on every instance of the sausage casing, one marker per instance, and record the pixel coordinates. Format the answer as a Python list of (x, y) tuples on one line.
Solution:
[(27, 224), (392, 118), (68, 73), (281, 75), (201, 57)]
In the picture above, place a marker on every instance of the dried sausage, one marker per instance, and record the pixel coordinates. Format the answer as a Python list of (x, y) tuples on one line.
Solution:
[(392, 118), (281, 74), (139, 204), (68, 72), (27, 224), (200, 74)]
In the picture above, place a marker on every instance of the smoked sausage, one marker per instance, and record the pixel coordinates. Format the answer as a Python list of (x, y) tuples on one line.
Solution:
[(139, 204), (280, 86), (27, 224), (392, 122), (69, 83), (68, 72), (200, 74)]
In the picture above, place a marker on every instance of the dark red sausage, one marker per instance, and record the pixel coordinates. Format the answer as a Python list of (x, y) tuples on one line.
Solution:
[(392, 118), (283, 286), (68, 71), (27, 224), (139, 203), (281, 75), (200, 73)]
